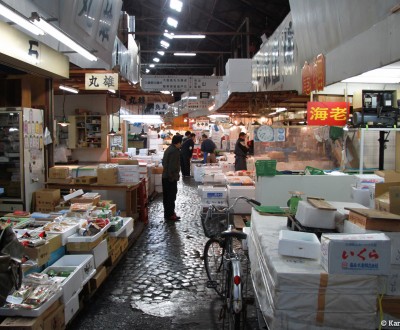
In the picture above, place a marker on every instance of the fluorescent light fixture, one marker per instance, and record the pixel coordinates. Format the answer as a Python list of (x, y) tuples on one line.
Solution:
[(147, 70), (152, 65), (18, 19), (189, 36), (148, 119), (211, 108), (185, 54), (161, 53), (164, 44), (165, 92), (156, 59), (280, 109), (172, 22), (69, 89), (111, 91), (61, 36), (176, 5), (169, 35)]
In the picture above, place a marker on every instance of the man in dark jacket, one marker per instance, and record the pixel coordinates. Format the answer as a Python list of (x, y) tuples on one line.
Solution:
[(186, 154), (208, 149), (241, 153), (170, 177)]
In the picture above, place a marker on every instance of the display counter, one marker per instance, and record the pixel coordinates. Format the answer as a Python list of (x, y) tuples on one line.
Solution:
[(131, 192)]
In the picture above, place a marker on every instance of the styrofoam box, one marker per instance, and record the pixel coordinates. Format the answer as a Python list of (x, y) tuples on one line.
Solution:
[(76, 238), (351, 228), (210, 192), (247, 231), (84, 262), (390, 284), (71, 307), (361, 254), (158, 179), (310, 216), (126, 228), (100, 253), (237, 191), (299, 244), (128, 177), (70, 285), (31, 312), (65, 234), (360, 196), (366, 180), (158, 188), (241, 207)]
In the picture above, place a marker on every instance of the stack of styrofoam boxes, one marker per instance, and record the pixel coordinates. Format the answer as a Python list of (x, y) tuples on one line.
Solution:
[(226, 166), (213, 174), (143, 173), (128, 173), (364, 190), (150, 175), (214, 196), (241, 207), (157, 175), (154, 141), (238, 71), (198, 172)]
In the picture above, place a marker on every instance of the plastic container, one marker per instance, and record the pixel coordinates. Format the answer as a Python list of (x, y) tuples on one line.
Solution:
[(309, 170), (265, 167)]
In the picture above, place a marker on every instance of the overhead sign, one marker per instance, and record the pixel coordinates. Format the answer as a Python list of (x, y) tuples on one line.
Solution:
[(24, 52), (327, 113), (151, 83), (101, 81), (313, 75)]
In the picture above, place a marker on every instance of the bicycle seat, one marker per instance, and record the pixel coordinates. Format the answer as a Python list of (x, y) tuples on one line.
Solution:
[(234, 233)]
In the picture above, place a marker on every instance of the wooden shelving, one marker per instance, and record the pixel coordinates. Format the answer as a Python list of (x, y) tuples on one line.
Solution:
[(87, 131)]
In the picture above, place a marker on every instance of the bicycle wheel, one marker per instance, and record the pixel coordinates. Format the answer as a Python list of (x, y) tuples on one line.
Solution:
[(214, 264)]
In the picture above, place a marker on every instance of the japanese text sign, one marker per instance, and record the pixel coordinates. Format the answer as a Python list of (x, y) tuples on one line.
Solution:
[(101, 81), (327, 113)]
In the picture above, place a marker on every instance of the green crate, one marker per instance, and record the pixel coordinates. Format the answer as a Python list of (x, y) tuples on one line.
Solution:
[(313, 171), (266, 167)]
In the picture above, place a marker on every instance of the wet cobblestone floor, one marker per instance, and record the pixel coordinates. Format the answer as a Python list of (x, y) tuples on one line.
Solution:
[(161, 281)]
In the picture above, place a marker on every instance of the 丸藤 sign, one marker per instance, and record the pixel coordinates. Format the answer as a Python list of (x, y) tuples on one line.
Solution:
[(327, 113)]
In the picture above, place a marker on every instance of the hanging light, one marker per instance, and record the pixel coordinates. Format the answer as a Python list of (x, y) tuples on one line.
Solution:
[(241, 124), (112, 132), (64, 122), (256, 123)]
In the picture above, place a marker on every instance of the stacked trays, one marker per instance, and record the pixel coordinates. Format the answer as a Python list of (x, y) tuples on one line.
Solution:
[(296, 293)]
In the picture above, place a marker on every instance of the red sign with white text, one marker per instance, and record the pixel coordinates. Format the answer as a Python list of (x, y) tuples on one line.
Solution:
[(327, 113)]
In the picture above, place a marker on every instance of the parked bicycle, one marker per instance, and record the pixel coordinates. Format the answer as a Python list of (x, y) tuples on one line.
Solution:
[(223, 262)]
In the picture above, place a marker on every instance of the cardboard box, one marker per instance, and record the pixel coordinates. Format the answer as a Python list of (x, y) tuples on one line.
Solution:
[(157, 170), (54, 242), (93, 200), (387, 197), (40, 254), (85, 245), (128, 162), (56, 320), (59, 172), (356, 254), (374, 219), (87, 179), (389, 175), (48, 196), (98, 279), (107, 175), (100, 253), (299, 244)]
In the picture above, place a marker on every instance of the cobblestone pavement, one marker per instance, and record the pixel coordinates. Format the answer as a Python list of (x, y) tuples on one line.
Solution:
[(161, 282)]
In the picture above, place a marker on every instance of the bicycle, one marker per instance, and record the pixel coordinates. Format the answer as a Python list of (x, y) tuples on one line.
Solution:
[(223, 263)]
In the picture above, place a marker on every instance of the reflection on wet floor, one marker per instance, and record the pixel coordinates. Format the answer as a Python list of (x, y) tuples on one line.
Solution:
[(161, 282)]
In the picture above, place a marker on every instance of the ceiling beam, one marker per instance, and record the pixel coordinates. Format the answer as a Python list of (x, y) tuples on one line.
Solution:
[(218, 52)]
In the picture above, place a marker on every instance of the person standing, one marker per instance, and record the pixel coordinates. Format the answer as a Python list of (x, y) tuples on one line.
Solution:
[(208, 149), (186, 154), (170, 177), (241, 152), (187, 136)]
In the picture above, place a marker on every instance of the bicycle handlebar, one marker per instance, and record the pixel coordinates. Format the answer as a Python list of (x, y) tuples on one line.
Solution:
[(248, 200)]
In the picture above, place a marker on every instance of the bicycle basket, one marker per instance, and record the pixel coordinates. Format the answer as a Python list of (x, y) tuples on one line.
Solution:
[(265, 167), (213, 222)]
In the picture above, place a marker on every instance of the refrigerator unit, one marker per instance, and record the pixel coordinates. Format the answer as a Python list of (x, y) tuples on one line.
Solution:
[(22, 164)]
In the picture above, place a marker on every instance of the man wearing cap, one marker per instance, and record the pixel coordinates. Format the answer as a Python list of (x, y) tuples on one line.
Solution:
[(170, 177)]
